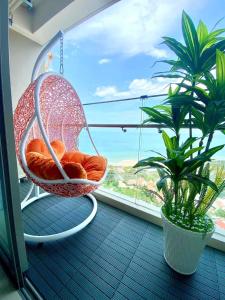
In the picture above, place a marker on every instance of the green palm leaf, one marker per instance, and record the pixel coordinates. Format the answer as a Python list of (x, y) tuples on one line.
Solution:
[(208, 57), (202, 33), (220, 69), (191, 38)]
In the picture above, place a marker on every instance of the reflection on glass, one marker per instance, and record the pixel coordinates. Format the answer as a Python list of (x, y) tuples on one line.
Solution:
[(3, 229)]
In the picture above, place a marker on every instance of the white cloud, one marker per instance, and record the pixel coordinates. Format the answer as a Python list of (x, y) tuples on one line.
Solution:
[(106, 91), (136, 88), (132, 27), (104, 61)]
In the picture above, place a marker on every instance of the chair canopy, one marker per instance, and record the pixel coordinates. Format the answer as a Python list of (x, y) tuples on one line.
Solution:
[(50, 109)]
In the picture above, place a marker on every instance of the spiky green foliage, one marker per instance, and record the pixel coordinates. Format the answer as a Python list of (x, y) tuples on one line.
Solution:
[(197, 101), (207, 198), (197, 54)]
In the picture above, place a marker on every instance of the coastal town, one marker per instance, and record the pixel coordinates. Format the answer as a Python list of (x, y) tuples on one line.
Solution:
[(123, 179)]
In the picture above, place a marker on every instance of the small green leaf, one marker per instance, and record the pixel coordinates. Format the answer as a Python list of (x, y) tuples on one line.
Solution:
[(192, 151), (208, 57), (220, 69), (202, 32), (205, 181), (179, 50), (188, 143), (162, 182), (190, 37), (167, 141)]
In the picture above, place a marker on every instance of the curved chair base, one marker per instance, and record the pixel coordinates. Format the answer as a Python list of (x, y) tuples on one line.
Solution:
[(60, 235)]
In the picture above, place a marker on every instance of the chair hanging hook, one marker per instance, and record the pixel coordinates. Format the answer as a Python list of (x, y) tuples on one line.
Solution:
[(61, 69)]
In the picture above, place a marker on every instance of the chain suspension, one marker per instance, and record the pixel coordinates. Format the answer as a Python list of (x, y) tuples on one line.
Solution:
[(61, 70)]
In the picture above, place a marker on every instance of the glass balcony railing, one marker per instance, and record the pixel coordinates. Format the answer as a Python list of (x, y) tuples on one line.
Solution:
[(125, 143)]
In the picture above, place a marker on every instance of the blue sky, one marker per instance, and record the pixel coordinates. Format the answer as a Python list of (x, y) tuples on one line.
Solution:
[(110, 56)]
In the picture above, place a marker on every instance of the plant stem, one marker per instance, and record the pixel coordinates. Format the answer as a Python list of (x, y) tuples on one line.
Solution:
[(209, 140), (176, 194), (189, 116), (200, 144), (201, 168), (206, 149), (190, 129)]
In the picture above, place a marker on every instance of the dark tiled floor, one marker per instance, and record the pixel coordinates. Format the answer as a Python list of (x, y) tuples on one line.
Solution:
[(117, 256)]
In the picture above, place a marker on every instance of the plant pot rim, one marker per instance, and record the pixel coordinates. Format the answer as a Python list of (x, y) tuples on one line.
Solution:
[(187, 230)]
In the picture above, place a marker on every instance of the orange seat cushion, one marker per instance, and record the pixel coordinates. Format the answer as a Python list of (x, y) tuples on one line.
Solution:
[(95, 175), (75, 156), (95, 167), (95, 163), (46, 168), (74, 170), (43, 166), (76, 164)]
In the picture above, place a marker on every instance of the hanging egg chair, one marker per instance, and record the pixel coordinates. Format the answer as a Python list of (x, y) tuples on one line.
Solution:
[(50, 110)]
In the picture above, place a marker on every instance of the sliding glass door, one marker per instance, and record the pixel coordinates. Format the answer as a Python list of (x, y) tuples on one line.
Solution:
[(12, 247), (4, 234)]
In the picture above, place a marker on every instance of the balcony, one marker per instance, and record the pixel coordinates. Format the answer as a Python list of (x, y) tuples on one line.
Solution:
[(118, 256)]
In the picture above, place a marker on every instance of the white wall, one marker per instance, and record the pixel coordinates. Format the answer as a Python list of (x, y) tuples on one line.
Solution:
[(23, 53)]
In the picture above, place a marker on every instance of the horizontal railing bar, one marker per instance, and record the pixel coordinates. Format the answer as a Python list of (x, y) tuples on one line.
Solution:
[(144, 97), (126, 126), (132, 126)]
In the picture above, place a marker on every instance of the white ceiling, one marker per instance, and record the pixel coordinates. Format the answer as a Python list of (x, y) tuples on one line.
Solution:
[(47, 17)]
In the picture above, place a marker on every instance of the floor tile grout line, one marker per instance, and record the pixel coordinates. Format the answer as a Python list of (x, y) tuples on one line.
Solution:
[(71, 278), (140, 266), (97, 254), (129, 266), (160, 279), (176, 279), (219, 288), (35, 285), (89, 269), (52, 223), (168, 274), (204, 276), (46, 265)]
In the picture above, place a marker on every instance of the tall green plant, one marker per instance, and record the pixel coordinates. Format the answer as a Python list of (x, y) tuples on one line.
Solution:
[(198, 101)]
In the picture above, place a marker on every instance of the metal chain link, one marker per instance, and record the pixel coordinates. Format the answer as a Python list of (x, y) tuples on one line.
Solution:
[(61, 70)]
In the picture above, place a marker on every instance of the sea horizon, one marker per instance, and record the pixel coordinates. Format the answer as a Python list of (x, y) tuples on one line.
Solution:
[(119, 146)]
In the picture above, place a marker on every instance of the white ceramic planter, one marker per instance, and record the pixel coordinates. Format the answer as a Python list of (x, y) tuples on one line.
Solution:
[(182, 248)]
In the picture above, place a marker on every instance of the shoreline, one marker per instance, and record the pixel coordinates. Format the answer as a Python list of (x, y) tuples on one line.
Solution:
[(132, 162)]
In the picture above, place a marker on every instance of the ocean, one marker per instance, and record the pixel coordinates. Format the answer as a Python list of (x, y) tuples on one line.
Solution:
[(117, 145)]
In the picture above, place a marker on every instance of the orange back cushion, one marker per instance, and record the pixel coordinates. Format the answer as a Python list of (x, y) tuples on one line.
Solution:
[(75, 156), (59, 148), (38, 145)]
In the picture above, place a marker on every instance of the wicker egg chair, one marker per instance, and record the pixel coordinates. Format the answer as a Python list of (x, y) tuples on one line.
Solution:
[(50, 109)]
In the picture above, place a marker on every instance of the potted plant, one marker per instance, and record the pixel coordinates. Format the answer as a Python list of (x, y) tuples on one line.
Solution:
[(195, 103)]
